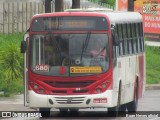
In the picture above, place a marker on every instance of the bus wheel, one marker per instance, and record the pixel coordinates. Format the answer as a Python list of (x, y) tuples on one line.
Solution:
[(45, 112), (123, 108), (132, 106), (63, 110), (74, 110), (114, 111)]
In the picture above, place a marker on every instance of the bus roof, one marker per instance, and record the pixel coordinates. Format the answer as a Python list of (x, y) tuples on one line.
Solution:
[(123, 17), (90, 10), (114, 16)]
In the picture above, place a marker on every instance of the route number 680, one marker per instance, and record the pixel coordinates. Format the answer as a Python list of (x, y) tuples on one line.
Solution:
[(42, 68)]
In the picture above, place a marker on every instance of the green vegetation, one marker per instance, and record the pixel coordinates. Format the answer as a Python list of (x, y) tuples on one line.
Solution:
[(110, 2), (152, 65), (104, 3), (11, 62)]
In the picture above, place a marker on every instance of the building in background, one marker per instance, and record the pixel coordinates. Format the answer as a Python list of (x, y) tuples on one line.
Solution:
[(150, 9), (122, 5)]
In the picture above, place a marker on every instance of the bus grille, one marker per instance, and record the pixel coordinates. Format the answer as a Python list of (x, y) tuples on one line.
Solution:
[(69, 100), (64, 84)]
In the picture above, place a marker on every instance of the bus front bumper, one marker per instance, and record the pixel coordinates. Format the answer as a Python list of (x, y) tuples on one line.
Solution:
[(71, 101)]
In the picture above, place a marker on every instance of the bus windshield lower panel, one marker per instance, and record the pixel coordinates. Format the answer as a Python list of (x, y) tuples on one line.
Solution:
[(69, 54)]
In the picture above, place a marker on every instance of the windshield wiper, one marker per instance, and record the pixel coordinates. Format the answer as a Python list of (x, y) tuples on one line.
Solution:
[(55, 44), (102, 50), (85, 44)]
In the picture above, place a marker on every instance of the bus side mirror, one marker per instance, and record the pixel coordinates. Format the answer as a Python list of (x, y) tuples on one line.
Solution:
[(116, 41), (115, 37), (24, 42), (23, 46)]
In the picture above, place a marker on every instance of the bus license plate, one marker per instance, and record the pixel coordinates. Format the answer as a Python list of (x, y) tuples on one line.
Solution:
[(100, 100)]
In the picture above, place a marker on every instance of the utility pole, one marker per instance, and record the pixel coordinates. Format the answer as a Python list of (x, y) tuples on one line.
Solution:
[(48, 6), (59, 6), (131, 5), (75, 4), (116, 5)]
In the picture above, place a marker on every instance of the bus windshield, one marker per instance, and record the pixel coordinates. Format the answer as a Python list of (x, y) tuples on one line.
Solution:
[(69, 54)]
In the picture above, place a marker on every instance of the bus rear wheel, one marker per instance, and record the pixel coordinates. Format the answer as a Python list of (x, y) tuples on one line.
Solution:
[(45, 112)]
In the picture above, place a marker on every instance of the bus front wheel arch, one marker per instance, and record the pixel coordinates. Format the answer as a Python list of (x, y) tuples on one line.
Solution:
[(132, 106), (114, 111)]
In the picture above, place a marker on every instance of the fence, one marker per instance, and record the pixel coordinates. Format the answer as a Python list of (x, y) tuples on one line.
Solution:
[(16, 16), (99, 2)]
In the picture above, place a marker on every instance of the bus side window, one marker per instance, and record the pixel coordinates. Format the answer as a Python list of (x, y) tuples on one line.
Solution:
[(134, 45), (138, 37), (130, 37), (123, 42), (120, 38), (115, 47), (136, 41), (119, 48), (141, 36), (125, 38)]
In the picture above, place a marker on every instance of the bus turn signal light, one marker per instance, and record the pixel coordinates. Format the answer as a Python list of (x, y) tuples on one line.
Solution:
[(35, 86), (104, 85), (98, 90)]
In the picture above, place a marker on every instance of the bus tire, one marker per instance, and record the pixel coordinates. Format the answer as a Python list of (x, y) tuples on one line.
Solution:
[(122, 110), (63, 110), (45, 112), (74, 110), (112, 112), (132, 106)]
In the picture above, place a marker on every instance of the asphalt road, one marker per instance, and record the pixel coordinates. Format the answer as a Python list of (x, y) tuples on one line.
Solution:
[(148, 105)]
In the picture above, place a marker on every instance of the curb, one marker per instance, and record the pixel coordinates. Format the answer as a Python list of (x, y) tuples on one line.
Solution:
[(153, 87)]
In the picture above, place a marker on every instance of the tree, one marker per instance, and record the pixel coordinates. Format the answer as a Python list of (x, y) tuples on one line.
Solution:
[(11, 66), (75, 4), (48, 6), (59, 6), (110, 2)]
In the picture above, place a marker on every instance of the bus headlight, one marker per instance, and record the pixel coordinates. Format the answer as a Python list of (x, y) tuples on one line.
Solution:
[(41, 90), (104, 85), (35, 86), (98, 90)]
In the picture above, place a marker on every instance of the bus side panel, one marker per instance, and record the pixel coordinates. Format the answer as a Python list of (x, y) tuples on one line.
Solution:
[(130, 77), (125, 71), (119, 75), (141, 75)]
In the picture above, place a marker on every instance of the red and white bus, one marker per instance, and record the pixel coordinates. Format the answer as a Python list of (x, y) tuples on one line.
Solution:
[(79, 59)]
